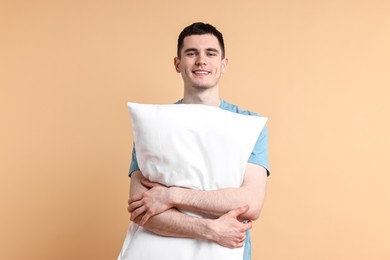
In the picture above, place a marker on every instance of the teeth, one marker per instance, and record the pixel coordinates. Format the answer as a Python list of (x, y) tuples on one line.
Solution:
[(201, 72)]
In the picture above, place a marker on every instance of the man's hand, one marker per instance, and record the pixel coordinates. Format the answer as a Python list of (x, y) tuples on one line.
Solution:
[(149, 203), (228, 231)]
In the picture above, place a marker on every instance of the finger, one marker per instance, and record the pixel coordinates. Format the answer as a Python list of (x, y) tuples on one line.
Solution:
[(137, 212), (243, 238), (247, 226), (241, 244), (136, 204), (137, 219), (239, 211), (240, 240), (148, 183), (235, 245), (145, 218), (135, 197)]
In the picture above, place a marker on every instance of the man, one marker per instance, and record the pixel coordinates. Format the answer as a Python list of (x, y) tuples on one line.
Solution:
[(201, 61)]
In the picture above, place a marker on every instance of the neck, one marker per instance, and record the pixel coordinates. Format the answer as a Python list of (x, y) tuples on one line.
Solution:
[(208, 97)]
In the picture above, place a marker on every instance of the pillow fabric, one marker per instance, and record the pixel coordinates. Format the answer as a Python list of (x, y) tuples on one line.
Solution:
[(193, 146)]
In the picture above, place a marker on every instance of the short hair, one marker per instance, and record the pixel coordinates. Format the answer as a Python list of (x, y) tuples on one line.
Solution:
[(200, 29)]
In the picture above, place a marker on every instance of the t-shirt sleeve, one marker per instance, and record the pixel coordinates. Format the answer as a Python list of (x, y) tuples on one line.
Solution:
[(259, 154), (134, 164)]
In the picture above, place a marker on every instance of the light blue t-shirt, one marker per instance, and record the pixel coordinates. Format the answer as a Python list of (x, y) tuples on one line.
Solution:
[(259, 156)]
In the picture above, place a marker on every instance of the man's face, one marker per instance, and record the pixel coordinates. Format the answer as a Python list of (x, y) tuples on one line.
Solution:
[(201, 62)]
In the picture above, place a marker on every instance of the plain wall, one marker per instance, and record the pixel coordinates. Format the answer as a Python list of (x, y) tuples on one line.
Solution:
[(319, 70)]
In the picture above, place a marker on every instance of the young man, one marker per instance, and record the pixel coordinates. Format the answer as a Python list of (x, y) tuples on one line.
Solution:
[(201, 61)]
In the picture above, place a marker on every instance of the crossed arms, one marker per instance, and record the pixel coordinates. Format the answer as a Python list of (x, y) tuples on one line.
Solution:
[(155, 208)]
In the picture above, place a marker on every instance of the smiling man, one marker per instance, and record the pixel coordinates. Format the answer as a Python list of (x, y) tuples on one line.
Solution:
[(201, 63), (157, 208)]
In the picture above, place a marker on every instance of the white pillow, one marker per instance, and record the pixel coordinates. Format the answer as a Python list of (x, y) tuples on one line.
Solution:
[(193, 146)]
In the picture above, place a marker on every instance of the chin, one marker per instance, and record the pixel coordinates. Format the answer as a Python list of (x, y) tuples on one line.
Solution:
[(201, 86)]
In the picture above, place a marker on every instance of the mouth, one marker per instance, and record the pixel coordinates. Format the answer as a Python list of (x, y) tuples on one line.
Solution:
[(201, 72)]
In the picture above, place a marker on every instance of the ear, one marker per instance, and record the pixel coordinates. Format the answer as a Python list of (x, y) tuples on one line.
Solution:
[(224, 65), (176, 62)]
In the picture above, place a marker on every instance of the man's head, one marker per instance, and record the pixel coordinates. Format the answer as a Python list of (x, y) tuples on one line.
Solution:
[(200, 29), (201, 59)]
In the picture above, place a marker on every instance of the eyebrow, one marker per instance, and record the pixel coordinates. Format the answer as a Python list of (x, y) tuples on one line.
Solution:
[(212, 49), (196, 50)]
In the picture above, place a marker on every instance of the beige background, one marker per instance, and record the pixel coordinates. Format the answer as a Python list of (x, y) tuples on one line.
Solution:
[(318, 69)]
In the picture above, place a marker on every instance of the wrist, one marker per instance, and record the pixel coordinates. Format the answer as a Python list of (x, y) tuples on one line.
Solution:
[(174, 195), (206, 229)]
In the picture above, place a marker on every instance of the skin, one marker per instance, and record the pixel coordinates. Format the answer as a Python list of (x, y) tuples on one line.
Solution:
[(160, 198), (156, 207), (201, 66), (225, 230)]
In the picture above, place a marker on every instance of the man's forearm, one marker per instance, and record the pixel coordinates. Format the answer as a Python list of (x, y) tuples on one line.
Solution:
[(226, 231), (217, 202), (212, 204), (158, 198), (173, 223), (170, 222)]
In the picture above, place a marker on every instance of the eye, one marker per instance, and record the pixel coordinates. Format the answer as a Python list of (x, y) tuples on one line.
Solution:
[(211, 54), (190, 54)]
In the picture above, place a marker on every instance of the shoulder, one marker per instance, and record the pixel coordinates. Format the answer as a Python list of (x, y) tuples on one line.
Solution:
[(235, 109)]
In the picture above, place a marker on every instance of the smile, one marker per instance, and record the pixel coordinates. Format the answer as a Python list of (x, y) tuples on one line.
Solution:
[(200, 72)]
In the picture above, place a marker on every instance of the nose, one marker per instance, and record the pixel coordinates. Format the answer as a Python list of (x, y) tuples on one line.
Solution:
[(201, 59)]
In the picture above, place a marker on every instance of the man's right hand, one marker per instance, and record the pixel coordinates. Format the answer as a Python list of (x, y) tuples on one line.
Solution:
[(228, 231)]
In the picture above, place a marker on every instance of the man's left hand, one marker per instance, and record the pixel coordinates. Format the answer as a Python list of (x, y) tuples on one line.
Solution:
[(149, 203)]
